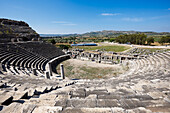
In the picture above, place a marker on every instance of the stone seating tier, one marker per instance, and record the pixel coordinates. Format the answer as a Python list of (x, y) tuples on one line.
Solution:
[(24, 56), (143, 89), (44, 49)]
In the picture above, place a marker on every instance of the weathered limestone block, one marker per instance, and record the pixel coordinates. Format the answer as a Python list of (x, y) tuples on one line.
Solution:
[(48, 96), (139, 110), (87, 110), (61, 100), (5, 99), (111, 96), (41, 102), (81, 103), (81, 93), (31, 91), (118, 110), (108, 103), (19, 95), (92, 96), (47, 109), (41, 89), (156, 95), (13, 108), (130, 103), (98, 92), (28, 108)]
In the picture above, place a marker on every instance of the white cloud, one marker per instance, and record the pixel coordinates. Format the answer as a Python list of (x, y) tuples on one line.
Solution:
[(133, 19), (59, 22), (69, 24), (64, 23), (168, 8), (110, 14)]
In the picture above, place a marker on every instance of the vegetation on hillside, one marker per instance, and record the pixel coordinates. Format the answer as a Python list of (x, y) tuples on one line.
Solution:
[(128, 37), (164, 39), (150, 40), (139, 39)]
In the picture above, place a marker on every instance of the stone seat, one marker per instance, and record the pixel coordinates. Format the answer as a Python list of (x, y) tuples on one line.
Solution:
[(17, 95), (41, 102), (5, 99), (106, 110), (41, 90), (18, 108), (45, 109)]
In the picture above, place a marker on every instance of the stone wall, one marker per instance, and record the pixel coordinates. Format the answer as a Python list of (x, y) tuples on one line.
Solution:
[(52, 64), (101, 56)]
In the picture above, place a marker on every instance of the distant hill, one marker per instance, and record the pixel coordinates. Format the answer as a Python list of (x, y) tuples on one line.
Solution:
[(107, 33), (50, 35)]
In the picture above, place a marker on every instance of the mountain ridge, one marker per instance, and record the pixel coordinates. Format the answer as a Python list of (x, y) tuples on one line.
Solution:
[(108, 33)]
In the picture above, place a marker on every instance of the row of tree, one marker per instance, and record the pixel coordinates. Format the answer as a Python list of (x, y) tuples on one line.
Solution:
[(139, 39), (71, 40), (164, 39)]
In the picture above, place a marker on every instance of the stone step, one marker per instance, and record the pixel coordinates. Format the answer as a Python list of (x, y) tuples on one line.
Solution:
[(16, 95), (47, 109), (106, 110), (18, 108), (5, 99)]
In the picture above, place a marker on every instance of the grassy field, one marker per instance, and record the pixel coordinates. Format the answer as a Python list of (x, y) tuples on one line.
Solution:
[(114, 48)]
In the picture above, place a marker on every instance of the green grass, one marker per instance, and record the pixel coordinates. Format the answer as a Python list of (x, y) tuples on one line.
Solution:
[(156, 39), (106, 48)]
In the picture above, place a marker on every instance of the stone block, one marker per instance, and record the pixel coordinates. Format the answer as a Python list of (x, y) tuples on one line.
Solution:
[(47, 109), (5, 99), (87, 110), (108, 103), (79, 103)]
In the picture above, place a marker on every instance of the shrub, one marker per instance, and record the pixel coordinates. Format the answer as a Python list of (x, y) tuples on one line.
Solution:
[(150, 40)]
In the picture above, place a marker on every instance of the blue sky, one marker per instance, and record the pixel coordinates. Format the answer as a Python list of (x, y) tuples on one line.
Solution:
[(80, 16)]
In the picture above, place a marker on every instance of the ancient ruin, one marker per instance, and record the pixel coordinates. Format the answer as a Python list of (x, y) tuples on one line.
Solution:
[(29, 82)]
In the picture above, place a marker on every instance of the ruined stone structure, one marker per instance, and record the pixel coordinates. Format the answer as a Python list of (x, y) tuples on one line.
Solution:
[(30, 58), (28, 85), (102, 57), (144, 88), (111, 57)]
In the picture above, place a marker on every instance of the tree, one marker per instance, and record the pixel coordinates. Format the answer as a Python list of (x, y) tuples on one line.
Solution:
[(52, 41), (112, 39), (132, 38), (164, 39), (150, 40)]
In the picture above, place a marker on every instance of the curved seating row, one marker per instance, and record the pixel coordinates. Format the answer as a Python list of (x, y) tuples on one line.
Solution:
[(151, 64), (41, 48), (18, 58)]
